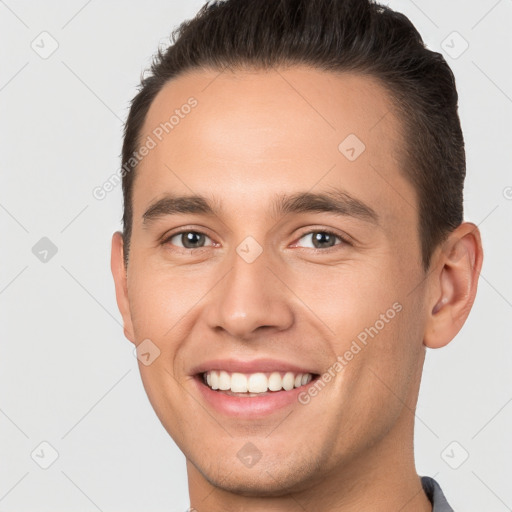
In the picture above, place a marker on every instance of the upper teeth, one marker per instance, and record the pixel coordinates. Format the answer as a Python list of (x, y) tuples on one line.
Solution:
[(255, 382)]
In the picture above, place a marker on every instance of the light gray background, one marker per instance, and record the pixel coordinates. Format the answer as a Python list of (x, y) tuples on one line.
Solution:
[(68, 376)]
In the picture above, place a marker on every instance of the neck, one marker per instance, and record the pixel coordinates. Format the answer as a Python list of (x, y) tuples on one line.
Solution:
[(383, 479)]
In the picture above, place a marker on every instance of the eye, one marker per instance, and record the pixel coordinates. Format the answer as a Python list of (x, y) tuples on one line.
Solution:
[(188, 239), (322, 239)]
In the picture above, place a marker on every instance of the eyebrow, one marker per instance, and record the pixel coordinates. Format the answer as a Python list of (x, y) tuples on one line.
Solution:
[(336, 202)]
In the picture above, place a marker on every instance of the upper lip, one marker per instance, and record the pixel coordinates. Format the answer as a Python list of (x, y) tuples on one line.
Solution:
[(252, 366)]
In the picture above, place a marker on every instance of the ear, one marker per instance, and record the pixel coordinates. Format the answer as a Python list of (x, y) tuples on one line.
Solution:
[(453, 284), (120, 279)]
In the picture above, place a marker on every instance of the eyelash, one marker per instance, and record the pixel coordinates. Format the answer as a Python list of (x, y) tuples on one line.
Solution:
[(344, 240)]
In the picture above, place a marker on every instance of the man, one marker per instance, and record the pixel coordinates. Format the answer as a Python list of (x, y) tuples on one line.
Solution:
[(293, 241)]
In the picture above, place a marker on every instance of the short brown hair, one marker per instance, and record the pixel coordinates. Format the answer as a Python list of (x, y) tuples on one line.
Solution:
[(358, 36)]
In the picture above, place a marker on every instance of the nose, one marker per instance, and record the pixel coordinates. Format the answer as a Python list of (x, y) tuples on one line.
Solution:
[(250, 299)]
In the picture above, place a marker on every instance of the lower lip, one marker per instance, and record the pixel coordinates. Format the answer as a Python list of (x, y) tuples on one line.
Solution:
[(250, 407)]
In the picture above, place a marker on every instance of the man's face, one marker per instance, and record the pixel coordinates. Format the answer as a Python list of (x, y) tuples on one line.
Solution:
[(269, 285)]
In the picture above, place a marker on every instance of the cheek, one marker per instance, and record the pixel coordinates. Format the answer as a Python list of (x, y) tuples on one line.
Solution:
[(160, 298), (379, 377), (375, 333), (384, 373), (350, 298)]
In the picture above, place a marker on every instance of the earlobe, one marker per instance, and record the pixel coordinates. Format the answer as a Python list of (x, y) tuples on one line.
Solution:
[(454, 285), (120, 280)]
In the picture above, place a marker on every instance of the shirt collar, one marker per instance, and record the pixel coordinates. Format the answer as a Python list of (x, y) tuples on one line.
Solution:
[(435, 495)]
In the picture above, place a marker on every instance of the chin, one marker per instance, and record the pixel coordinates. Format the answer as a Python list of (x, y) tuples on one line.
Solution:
[(262, 480)]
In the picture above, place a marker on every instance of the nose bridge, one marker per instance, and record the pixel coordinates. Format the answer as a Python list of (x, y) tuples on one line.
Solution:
[(250, 296)]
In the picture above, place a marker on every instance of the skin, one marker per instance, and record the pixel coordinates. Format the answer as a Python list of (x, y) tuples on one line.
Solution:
[(255, 134)]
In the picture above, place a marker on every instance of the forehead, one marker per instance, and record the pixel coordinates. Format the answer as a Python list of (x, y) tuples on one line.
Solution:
[(247, 133)]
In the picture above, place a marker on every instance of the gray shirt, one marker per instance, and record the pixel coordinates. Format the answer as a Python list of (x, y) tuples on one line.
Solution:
[(435, 495)]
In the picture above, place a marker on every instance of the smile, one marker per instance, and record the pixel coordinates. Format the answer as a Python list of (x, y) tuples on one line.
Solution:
[(251, 389), (254, 384)]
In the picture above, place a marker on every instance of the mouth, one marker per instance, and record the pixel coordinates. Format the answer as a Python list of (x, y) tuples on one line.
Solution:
[(252, 395), (258, 384), (251, 389)]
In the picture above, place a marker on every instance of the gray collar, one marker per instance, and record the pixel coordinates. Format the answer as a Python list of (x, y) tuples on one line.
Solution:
[(435, 495)]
